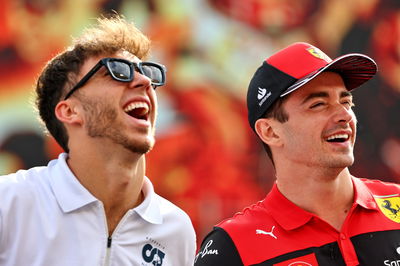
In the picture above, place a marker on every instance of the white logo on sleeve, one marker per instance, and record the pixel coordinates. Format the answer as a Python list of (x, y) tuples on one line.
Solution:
[(262, 232), (206, 251), (261, 93)]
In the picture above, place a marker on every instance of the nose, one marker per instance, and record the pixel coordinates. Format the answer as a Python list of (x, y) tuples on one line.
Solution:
[(140, 80), (343, 114)]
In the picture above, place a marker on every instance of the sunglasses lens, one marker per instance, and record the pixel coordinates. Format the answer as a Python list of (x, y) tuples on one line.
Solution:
[(120, 70), (155, 74)]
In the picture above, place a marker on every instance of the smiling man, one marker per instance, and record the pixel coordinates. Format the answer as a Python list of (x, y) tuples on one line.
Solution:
[(300, 106), (94, 205)]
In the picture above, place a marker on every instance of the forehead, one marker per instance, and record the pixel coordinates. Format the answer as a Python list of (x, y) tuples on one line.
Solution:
[(120, 54), (127, 55)]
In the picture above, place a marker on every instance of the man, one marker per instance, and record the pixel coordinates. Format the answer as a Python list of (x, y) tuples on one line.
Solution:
[(317, 213), (94, 205)]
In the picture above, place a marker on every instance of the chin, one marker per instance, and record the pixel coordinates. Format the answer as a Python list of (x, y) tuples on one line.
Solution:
[(140, 149), (343, 162), (139, 146)]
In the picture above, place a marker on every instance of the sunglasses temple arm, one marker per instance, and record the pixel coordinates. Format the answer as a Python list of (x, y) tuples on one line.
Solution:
[(85, 79)]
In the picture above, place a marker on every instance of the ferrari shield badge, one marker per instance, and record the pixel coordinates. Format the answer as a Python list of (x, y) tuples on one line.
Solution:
[(390, 206)]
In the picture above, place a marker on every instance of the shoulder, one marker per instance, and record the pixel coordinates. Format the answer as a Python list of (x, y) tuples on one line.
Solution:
[(378, 187), (172, 213), (27, 186), (21, 183), (160, 211), (248, 217), (32, 179), (168, 207), (245, 232), (20, 193), (218, 248), (177, 227), (169, 212)]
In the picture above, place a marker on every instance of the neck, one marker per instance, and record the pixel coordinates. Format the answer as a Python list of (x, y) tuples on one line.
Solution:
[(114, 178), (327, 193)]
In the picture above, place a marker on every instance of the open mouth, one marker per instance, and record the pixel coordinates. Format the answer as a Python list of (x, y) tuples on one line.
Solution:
[(338, 138), (138, 110)]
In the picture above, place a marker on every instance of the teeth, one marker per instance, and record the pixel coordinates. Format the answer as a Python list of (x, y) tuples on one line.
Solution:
[(338, 136), (137, 105)]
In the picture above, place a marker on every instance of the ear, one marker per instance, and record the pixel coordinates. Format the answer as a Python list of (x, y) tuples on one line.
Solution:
[(267, 131), (68, 113)]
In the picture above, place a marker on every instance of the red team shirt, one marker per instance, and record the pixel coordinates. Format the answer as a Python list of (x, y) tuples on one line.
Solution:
[(277, 232)]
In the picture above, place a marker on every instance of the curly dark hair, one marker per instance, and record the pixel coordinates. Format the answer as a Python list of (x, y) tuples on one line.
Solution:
[(109, 36)]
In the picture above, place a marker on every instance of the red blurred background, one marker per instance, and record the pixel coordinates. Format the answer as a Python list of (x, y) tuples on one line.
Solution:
[(206, 159)]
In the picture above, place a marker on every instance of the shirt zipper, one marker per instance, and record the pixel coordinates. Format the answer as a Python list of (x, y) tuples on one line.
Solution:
[(109, 241), (109, 238)]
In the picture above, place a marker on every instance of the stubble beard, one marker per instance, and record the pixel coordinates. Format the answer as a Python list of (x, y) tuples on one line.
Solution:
[(318, 158), (102, 122), (337, 160)]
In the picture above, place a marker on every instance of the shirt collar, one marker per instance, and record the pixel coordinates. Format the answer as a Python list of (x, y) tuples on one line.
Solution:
[(286, 213), (71, 195), (290, 216), (149, 209), (69, 192), (363, 196)]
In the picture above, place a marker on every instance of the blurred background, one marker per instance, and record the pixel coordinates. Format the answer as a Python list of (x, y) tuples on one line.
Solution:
[(206, 159)]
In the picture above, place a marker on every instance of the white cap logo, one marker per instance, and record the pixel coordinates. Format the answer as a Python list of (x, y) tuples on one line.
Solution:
[(261, 93)]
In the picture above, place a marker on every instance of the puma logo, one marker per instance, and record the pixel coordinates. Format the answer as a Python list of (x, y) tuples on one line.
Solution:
[(262, 232)]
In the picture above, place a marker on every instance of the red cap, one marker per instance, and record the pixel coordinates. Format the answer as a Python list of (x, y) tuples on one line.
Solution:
[(304, 62), (294, 66)]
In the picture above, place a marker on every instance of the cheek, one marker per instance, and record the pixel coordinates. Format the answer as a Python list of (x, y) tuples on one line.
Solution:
[(292, 134), (154, 101), (354, 128), (354, 119), (302, 133)]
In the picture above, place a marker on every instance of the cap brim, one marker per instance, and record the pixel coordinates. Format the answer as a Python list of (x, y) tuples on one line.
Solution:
[(355, 70)]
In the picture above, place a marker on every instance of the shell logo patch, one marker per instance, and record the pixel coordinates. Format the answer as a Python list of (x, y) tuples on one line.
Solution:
[(314, 51), (389, 206)]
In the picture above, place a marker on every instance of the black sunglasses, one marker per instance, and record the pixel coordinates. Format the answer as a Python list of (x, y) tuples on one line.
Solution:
[(123, 70)]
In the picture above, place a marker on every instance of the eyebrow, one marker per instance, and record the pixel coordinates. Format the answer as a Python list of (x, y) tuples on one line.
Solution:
[(323, 94)]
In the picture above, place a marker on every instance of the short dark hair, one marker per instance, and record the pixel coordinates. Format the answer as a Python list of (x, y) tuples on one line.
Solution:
[(59, 75), (54, 81)]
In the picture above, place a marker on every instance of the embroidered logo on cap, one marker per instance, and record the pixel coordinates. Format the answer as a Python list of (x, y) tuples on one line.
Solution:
[(262, 95), (314, 51), (390, 206)]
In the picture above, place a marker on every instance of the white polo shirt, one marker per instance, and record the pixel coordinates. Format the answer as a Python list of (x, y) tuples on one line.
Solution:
[(48, 218)]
